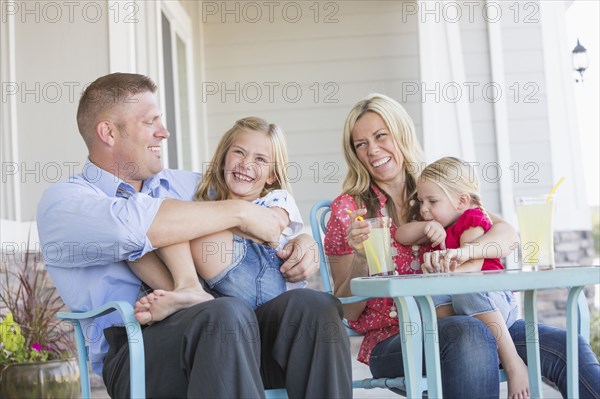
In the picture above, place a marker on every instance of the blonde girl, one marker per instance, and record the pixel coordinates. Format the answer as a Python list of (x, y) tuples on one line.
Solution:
[(249, 164), (451, 215)]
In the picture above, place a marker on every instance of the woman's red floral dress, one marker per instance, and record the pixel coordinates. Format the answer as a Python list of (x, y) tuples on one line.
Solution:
[(375, 321)]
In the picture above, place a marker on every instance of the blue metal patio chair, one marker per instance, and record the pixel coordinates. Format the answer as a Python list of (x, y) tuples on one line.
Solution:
[(318, 222), (136, 349), (137, 373)]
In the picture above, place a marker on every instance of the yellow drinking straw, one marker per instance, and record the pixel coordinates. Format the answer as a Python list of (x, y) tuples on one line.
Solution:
[(553, 189), (369, 248)]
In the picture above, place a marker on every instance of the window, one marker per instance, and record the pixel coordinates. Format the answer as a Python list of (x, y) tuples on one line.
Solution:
[(178, 86)]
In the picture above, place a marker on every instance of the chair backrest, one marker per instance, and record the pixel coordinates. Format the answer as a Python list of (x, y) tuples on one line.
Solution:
[(137, 372), (319, 214), (318, 222)]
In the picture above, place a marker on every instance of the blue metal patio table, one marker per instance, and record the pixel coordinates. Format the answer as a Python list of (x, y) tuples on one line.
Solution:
[(423, 286)]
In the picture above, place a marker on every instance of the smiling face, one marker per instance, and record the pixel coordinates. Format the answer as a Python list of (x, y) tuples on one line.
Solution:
[(376, 149), (138, 138), (436, 205), (247, 167)]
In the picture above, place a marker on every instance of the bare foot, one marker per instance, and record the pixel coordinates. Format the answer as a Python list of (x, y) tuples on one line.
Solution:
[(160, 304), (518, 380)]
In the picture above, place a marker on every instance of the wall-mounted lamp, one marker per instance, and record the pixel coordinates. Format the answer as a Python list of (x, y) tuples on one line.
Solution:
[(580, 60)]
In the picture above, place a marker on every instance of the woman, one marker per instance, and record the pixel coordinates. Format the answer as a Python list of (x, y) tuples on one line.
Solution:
[(384, 160)]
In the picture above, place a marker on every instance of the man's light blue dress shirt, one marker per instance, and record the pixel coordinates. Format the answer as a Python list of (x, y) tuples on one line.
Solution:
[(89, 226)]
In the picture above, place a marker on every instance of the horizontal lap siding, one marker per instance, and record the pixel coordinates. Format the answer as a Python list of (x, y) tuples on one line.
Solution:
[(368, 49), (54, 62)]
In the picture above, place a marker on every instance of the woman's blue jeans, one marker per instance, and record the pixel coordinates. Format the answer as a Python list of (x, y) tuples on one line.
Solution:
[(469, 358), (553, 358)]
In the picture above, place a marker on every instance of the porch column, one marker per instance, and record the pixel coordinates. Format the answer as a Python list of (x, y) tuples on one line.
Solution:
[(447, 128)]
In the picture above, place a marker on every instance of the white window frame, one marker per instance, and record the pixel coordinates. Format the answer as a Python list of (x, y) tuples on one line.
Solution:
[(181, 26)]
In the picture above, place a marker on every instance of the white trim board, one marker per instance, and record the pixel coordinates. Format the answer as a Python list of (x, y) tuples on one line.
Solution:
[(11, 189), (447, 126), (501, 120), (121, 37), (14, 235)]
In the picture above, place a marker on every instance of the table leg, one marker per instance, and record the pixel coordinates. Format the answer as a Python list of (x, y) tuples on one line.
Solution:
[(411, 342), (572, 343), (432, 349), (533, 344)]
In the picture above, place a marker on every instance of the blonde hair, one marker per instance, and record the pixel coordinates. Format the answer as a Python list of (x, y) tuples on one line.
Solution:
[(213, 187), (455, 177), (358, 180)]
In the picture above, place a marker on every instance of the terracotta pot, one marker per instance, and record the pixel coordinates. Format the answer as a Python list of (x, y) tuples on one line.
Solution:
[(50, 380)]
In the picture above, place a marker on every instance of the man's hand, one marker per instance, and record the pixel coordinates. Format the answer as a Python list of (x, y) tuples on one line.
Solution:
[(301, 257), (261, 223)]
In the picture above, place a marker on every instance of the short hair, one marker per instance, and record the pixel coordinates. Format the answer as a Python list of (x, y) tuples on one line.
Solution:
[(213, 186), (104, 94), (358, 180)]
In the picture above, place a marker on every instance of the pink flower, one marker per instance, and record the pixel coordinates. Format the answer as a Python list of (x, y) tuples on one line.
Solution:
[(36, 347)]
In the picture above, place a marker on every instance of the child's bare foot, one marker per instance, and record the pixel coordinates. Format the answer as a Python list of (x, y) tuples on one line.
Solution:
[(518, 380), (160, 304)]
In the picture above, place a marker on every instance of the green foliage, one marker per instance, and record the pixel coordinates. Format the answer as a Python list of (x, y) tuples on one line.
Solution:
[(13, 347), (595, 324), (12, 342), (31, 332)]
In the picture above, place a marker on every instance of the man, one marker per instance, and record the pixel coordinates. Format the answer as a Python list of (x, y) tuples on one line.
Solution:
[(116, 211)]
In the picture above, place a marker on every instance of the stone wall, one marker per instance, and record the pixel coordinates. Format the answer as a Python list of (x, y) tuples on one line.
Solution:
[(571, 248), (552, 304)]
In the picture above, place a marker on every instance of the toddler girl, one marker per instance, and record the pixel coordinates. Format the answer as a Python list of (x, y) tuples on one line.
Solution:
[(452, 215)]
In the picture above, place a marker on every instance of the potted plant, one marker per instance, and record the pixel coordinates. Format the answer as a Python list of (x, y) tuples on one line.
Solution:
[(36, 349)]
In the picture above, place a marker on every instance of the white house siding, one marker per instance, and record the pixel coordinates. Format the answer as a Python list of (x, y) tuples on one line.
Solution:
[(55, 55), (353, 48), (366, 47)]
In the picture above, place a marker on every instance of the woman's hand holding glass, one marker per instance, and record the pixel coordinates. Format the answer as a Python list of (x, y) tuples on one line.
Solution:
[(358, 231)]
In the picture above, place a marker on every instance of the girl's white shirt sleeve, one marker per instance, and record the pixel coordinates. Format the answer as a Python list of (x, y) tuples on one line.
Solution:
[(284, 200)]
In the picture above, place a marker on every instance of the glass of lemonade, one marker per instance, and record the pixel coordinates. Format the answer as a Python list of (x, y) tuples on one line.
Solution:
[(535, 215), (378, 247)]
